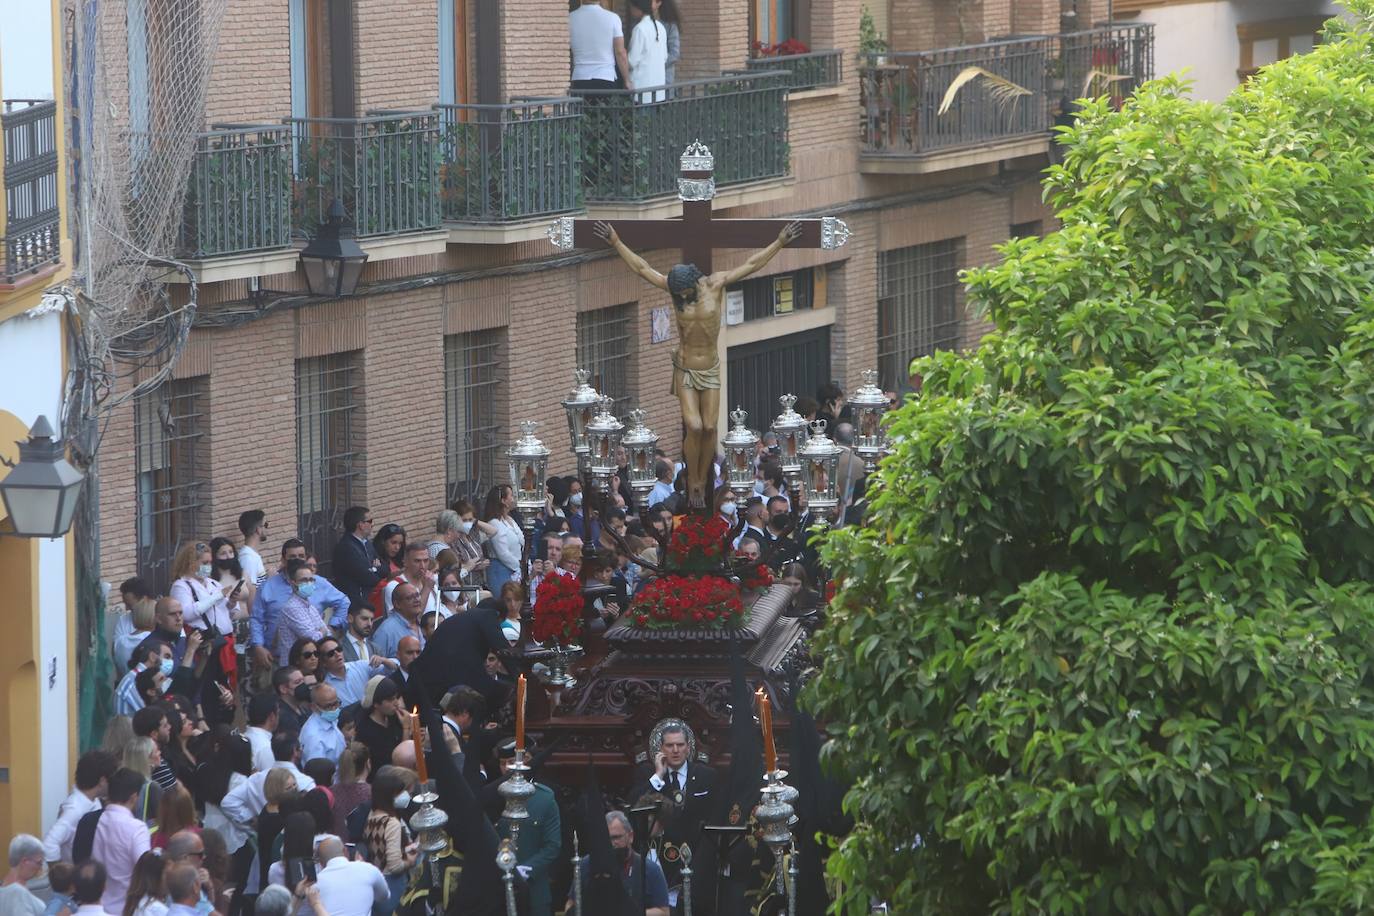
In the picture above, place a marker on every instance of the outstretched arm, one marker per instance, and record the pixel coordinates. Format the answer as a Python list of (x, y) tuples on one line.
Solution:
[(640, 266), (790, 233)]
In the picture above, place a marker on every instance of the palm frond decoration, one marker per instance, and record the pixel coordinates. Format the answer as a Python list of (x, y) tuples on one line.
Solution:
[(1095, 75), (1004, 92)]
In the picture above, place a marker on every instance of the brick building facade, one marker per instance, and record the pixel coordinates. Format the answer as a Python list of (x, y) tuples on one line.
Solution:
[(407, 393)]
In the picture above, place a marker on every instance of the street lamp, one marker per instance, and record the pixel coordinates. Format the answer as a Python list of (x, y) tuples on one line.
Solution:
[(869, 404), (580, 405), (639, 443), (333, 261), (529, 471), (603, 439), (740, 445), (40, 492), (819, 457), (790, 428)]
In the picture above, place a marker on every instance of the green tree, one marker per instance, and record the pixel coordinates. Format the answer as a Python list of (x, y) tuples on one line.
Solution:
[(1108, 643)]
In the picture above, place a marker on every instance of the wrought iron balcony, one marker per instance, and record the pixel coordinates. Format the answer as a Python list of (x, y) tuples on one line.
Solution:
[(993, 92), (902, 96), (505, 163), (239, 198), (805, 71), (384, 168), (631, 141), (32, 220), (1112, 60)]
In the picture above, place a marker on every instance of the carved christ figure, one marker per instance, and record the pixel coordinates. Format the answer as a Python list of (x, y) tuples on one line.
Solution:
[(699, 304)]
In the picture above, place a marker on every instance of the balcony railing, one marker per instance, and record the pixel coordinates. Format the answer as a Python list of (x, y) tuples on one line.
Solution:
[(32, 219), (805, 71), (384, 168), (240, 194), (1112, 61), (502, 163), (902, 97), (902, 93), (632, 141)]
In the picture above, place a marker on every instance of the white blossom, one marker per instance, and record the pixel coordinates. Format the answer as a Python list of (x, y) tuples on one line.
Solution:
[(1259, 796), (1133, 714)]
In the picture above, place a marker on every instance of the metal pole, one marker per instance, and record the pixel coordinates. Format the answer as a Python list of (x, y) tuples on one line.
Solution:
[(792, 886), (686, 852), (505, 860), (577, 876)]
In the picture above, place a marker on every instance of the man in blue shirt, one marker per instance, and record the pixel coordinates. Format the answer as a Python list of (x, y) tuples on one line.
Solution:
[(320, 736), (274, 592), (349, 679), (404, 620)]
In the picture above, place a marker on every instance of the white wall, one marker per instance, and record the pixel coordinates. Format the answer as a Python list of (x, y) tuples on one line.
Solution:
[(31, 384), (1201, 38)]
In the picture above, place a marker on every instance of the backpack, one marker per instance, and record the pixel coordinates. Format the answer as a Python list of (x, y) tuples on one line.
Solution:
[(84, 840)]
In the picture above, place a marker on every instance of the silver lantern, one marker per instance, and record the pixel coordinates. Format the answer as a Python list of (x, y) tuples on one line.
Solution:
[(639, 443), (603, 440), (740, 446), (580, 405), (529, 472), (790, 428), (819, 457), (869, 405)]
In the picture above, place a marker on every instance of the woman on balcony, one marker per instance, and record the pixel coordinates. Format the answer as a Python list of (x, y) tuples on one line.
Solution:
[(648, 49)]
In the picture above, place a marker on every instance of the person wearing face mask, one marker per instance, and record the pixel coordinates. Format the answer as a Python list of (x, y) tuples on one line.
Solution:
[(644, 883), (451, 597), (588, 529), (207, 607), (388, 838), (298, 618), (460, 530), (320, 736), (229, 573), (725, 506)]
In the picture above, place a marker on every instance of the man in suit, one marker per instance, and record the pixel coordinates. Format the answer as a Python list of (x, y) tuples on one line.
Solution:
[(755, 524), (407, 651), (688, 786), (457, 654), (356, 637), (357, 568)]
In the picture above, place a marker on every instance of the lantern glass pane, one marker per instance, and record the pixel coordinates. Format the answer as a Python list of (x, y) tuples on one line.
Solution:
[(34, 511)]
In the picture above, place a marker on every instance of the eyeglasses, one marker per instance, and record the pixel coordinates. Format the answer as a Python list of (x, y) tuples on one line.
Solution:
[(330, 653), (310, 655)]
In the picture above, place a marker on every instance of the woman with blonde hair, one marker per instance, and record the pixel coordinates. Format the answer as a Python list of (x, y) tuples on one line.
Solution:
[(141, 621), (206, 605), (141, 755)]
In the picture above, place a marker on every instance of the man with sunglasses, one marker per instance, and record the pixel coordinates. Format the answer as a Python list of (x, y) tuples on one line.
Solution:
[(272, 597), (349, 679)]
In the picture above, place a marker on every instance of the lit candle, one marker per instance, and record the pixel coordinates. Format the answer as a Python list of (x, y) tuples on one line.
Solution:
[(420, 769), (520, 715), (770, 753)]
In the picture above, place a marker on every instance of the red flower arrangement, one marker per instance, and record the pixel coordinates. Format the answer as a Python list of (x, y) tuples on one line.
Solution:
[(698, 543), (707, 602), (781, 49), (558, 612), (756, 576)]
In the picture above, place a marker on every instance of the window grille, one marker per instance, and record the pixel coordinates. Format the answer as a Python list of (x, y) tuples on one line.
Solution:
[(472, 392), (172, 458), (918, 306), (1032, 229), (331, 465), (605, 347)]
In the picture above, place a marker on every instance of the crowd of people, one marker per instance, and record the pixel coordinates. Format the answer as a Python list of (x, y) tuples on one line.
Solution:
[(604, 58), (262, 756)]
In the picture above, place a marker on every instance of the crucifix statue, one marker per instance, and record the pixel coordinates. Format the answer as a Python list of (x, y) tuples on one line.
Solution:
[(698, 293)]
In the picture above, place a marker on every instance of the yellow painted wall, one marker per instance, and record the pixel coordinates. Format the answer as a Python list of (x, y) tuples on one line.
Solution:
[(20, 796)]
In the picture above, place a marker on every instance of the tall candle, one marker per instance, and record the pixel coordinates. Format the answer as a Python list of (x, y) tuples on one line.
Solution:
[(770, 752), (520, 714), (420, 769)]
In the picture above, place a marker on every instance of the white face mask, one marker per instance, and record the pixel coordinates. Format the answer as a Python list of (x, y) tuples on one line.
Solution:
[(451, 594), (204, 570), (465, 527), (727, 508), (575, 500)]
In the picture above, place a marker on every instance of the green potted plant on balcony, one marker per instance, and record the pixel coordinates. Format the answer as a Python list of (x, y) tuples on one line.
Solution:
[(872, 46)]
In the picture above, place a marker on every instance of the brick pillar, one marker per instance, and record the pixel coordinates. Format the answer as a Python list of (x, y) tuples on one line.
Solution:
[(715, 37), (835, 24), (534, 31), (386, 33)]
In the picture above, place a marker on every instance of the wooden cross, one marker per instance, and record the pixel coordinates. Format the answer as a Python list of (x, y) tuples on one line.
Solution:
[(697, 233)]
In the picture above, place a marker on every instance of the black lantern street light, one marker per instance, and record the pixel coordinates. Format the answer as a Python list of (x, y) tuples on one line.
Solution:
[(41, 490), (333, 261)]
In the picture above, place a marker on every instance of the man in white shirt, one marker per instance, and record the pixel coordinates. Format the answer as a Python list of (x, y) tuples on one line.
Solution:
[(245, 801), (262, 722), (253, 527), (417, 573), (93, 772), (347, 888), (598, 47), (663, 484)]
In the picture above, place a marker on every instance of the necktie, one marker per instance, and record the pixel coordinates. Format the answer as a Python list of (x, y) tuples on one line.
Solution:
[(677, 780)]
